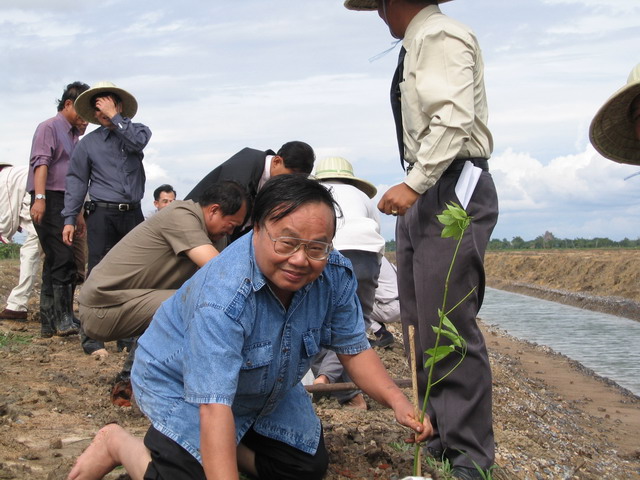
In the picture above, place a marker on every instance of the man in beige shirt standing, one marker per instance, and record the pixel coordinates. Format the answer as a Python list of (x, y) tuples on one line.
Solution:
[(440, 107)]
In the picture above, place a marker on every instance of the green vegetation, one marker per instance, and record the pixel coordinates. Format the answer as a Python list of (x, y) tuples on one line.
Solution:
[(8, 339), (548, 240), (9, 250)]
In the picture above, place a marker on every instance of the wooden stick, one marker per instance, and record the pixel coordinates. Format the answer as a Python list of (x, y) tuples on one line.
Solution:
[(343, 387), (414, 382)]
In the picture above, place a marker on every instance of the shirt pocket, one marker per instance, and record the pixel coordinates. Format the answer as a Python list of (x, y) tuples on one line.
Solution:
[(310, 348), (254, 372)]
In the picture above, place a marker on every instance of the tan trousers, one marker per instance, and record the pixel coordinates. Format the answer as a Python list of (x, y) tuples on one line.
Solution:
[(130, 319)]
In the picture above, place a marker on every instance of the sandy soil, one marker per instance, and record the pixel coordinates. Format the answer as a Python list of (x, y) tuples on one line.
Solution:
[(553, 419)]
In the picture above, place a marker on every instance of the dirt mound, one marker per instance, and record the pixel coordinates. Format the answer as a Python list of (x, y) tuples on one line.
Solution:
[(602, 280)]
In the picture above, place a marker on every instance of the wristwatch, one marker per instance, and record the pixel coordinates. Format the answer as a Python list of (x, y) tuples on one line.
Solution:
[(40, 196)]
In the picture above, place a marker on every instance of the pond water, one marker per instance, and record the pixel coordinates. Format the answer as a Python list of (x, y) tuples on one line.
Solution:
[(608, 345)]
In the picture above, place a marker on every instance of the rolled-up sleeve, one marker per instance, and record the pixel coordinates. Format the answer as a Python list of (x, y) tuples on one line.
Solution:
[(136, 136), (42, 146)]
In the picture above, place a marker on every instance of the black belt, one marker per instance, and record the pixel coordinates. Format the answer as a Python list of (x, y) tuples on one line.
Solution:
[(123, 207), (457, 165)]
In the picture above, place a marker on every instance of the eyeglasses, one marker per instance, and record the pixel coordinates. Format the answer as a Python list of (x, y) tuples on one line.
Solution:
[(287, 246)]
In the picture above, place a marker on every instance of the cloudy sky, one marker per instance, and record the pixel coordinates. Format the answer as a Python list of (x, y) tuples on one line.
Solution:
[(212, 77)]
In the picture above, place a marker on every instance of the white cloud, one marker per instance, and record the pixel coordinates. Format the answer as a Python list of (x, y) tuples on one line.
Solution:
[(580, 193)]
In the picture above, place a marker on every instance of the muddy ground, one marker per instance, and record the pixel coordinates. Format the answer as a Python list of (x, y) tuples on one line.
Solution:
[(553, 419)]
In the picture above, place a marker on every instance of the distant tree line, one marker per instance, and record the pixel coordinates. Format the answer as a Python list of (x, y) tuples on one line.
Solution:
[(548, 240)]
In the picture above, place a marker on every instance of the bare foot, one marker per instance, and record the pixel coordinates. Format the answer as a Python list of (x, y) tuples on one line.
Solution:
[(96, 461), (100, 353), (322, 379), (357, 402)]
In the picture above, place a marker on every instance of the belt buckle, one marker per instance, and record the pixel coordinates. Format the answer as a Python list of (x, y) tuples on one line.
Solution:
[(123, 207)]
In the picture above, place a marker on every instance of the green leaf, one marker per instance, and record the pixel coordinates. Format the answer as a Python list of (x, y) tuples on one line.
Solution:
[(441, 352), (449, 324), (458, 213), (438, 353), (450, 231), (455, 339), (445, 219)]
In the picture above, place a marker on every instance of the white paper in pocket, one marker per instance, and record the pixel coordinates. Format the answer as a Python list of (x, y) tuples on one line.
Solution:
[(467, 183)]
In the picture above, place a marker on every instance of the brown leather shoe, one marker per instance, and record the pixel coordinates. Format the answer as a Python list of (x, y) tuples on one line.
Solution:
[(7, 314)]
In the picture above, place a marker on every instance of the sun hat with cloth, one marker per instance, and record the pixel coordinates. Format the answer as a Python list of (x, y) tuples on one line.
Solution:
[(368, 4), (85, 109), (612, 133), (338, 168)]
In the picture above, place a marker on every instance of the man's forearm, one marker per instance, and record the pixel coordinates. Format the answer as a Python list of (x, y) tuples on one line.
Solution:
[(218, 442), (40, 175)]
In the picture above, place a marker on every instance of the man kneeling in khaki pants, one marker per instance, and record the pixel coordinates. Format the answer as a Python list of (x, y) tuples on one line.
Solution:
[(151, 262)]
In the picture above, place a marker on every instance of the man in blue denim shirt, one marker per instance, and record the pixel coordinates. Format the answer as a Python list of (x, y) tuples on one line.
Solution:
[(218, 371)]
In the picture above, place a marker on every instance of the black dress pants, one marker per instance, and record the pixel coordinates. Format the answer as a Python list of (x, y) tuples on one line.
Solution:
[(59, 265), (459, 406), (105, 228)]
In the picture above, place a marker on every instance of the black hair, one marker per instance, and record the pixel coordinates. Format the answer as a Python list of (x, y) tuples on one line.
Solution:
[(284, 194), (229, 195), (298, 156), (163, 188), (71, 92), (114, 96)]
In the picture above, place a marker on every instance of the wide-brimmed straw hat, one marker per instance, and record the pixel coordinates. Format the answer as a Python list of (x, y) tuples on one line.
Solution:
[(338, 168), (611, 131), (85, 109), (367, 4)]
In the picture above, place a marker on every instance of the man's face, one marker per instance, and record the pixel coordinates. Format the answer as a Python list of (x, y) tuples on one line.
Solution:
[(287, 274), (164, 199), (218, 224), (69, 112), (388, 10), (106, 103)]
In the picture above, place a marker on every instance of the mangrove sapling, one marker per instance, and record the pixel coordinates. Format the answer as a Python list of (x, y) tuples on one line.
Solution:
[(456, 221)]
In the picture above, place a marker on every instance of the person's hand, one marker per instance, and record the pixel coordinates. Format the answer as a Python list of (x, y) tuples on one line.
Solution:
[(406, 415), (106, 106), (37, 210), (81, 226), (398, 199), (67, 234)]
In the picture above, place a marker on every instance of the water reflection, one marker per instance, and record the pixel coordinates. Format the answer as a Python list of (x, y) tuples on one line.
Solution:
[(604, 343)]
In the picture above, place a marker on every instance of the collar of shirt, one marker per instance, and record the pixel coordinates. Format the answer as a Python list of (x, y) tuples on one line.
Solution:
[(104, 133), (74, 135), (416, 22), (266, 173)]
